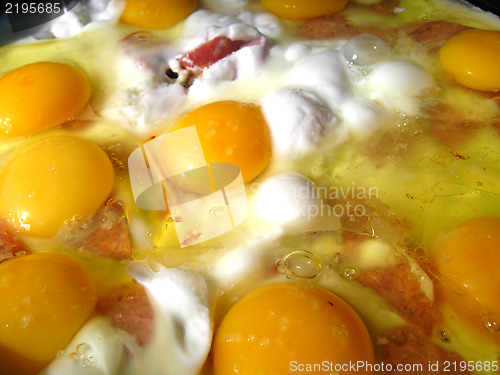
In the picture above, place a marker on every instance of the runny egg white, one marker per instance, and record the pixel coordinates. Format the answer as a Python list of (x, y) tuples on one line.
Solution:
[(320, 102)]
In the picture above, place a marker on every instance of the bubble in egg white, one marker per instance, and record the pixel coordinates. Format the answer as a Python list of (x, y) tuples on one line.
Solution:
[(365, 49), (301, 264), (446, 335), (350, 273), (490, 322), (96, 349)]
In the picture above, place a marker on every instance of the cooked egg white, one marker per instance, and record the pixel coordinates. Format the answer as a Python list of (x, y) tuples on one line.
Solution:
[(407, 79), (298, 120), (96, 349)]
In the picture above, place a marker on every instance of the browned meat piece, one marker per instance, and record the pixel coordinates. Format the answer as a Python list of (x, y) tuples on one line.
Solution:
[(10, 245), (451, 127), (336, 26), (433, 34), (410, 346), (109, 235), (128, 308), (400, 287)]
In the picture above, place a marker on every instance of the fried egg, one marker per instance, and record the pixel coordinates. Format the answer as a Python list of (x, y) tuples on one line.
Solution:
[(297, 10), (156, 14), (468, 257), (66, 176), (46, 299), (272, 327), (54, 92), (472, 58), (232, 132), (182, 324)]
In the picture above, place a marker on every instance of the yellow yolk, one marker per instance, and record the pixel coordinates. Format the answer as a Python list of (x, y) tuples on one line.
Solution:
[(280, 324), (54, 180), (469, 256), (472, 58), (232, 132), (39, 96), (156, 14), (302, 10), (45, 300)]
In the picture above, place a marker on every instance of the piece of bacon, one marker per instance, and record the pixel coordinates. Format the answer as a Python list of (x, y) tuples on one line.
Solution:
[(109, 234), (210, 52), (450, 126), (430, 34), (400, 287), (128, 308), (10, 245), (433, 34), (197, 61), (337, 26)]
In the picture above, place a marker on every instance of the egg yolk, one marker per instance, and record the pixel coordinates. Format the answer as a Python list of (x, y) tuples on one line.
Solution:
[(277, 325), (302, 10), (156, 14), (232, 132), (52, 181), (45, 300), (39, 96), (469, 256), (472, 58)]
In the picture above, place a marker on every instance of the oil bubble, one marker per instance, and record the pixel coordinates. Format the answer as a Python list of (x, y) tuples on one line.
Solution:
[(490, 323), (301, 264), (83, 354), (350, 273), (445, 335), (337, 258), (365, 49)]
